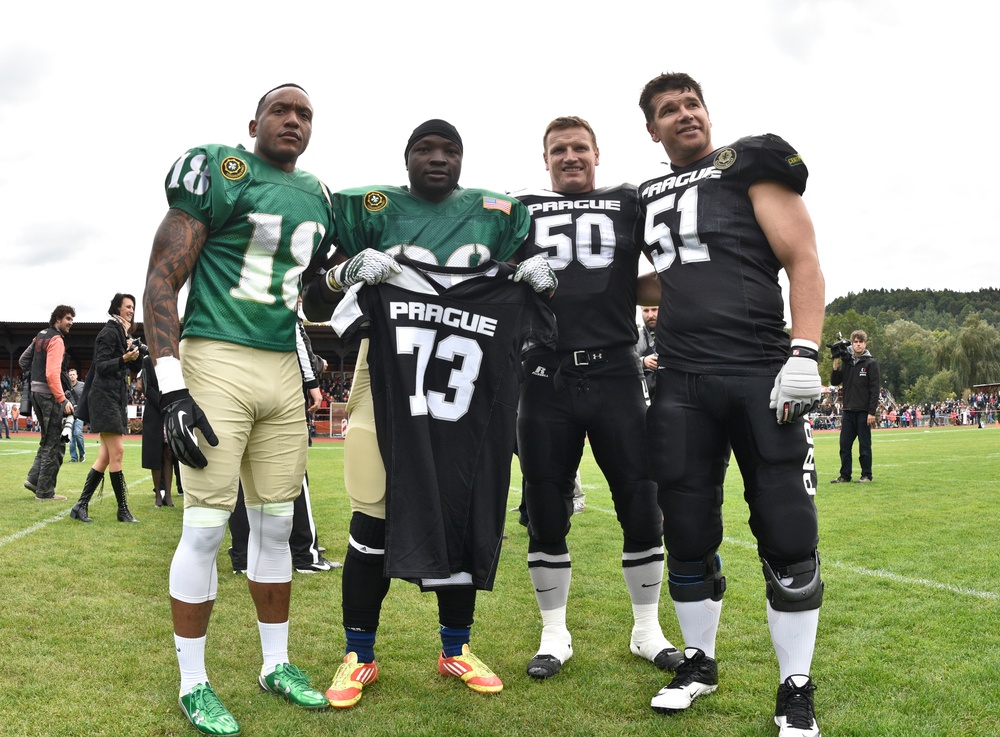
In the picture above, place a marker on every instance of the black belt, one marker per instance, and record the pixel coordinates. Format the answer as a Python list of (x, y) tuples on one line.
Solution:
[(588, 357)]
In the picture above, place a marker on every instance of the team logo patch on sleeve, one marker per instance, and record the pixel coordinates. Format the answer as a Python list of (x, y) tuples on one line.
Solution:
[(725, 158), (793, 160), (375, 201), (492, 203), (233, 168)]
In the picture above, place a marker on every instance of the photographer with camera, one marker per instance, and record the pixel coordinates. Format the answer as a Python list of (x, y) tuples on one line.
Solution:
[(105, 405), (854, 367), (45, 362)]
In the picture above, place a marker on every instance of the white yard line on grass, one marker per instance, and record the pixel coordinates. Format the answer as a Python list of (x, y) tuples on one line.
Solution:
[(890, 576), (55, 518)]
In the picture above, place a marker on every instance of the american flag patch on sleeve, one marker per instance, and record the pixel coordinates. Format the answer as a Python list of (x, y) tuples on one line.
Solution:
[(492, 203)]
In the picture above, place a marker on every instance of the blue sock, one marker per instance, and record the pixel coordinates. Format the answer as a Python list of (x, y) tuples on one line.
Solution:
[(362, 644), (452, 639)]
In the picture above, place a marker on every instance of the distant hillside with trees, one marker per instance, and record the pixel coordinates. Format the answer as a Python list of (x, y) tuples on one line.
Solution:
[(931, 345)]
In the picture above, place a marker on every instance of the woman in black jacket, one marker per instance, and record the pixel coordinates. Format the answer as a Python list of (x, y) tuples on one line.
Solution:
[(104, 405)]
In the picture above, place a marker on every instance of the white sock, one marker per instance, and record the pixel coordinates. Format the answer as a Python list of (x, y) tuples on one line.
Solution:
[(191, 660), (794, 637), (273, 644), (647, 636), (699, 621)]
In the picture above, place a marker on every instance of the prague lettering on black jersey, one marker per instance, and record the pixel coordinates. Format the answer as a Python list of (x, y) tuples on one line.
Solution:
[(589, 241), (445, 350), (721, 309)]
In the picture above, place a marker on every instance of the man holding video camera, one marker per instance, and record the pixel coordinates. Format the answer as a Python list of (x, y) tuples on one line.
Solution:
[(854, 367)]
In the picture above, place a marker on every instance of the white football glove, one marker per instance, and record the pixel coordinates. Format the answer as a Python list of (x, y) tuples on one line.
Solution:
[(537, 274), (368, 266), (797, 387)]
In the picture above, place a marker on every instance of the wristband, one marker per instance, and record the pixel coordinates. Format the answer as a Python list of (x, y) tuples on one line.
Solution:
[(168, 374), (331, 281), (802, 348)]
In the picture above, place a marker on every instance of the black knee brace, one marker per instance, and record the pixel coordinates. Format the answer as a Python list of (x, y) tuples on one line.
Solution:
[(803, 592), (696, 581), (368, 533)]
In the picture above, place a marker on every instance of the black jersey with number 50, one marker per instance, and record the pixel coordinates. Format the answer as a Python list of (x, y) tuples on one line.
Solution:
[(445, 350), (721, 306), (589, 241)]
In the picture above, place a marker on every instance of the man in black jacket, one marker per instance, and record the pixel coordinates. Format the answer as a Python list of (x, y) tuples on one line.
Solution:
[(860, 397)]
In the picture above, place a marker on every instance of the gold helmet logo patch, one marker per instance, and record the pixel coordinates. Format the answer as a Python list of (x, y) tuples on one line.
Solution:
[(375, 201), (233, 168), (725, 158)]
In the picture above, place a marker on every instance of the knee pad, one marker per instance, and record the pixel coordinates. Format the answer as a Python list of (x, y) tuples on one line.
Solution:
[(796, 587), (367, 539), (269, 559), (194, 578), (549, 512), (696, 580)]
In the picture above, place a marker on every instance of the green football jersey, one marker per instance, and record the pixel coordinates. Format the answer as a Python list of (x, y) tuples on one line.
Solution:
[(468, 228), (264, 227)]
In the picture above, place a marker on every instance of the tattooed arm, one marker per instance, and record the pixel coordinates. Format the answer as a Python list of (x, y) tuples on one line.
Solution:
[(176, 247)]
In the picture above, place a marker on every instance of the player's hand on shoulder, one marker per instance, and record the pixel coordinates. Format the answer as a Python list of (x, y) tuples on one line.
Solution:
[(537, 274), (368, 266), (797, 387)]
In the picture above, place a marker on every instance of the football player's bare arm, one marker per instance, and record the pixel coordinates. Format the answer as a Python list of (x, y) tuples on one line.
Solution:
[(648, 290), (318, 299), (176, 247), (785, 221)]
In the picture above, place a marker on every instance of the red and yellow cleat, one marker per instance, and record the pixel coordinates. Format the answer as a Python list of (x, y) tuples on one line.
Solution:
[(350, 679), (471, 670)]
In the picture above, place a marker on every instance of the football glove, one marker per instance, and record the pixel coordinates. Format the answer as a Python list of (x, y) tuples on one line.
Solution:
[(180, 417), (368, 266), (537, 274), (797, 387)]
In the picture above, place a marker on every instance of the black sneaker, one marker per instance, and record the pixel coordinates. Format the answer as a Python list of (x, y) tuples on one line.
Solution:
[(840, 480), (321, 565), (697, 675), (864, 480), (793, 711)]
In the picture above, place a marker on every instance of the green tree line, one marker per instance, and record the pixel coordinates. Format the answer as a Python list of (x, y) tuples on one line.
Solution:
[(930, 345)]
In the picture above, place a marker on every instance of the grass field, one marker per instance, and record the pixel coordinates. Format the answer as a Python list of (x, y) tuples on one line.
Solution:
[(908, 641)]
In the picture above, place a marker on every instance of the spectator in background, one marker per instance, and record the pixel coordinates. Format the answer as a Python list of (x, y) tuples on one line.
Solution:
[(105, 405), (4, 415), (861, 380), (646, 347), (46, 362), (77, 450), (156, 453)]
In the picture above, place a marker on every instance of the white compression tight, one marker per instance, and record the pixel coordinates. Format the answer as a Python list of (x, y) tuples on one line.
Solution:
[(194, 577), (269, 559)]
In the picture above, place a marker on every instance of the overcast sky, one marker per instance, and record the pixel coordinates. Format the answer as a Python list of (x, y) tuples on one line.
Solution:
[(888, 102)]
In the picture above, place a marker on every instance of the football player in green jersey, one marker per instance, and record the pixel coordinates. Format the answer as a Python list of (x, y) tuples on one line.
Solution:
[(436, 221), (242, 226)]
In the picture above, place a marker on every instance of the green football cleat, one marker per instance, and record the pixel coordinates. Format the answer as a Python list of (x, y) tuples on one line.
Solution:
[(288, 681), (204, 710)]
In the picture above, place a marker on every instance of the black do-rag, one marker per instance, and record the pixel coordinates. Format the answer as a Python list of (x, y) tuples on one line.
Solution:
[(430, 128)]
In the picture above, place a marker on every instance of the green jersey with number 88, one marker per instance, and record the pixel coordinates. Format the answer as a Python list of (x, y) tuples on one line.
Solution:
[(264, 227), (468, 228)]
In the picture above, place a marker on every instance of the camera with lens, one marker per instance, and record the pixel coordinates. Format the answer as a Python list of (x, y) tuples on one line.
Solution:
[(840, 348), (143, 348), (67, 428)]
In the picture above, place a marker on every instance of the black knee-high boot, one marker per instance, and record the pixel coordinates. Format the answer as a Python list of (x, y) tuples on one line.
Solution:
[(121, 494), (79, 510)]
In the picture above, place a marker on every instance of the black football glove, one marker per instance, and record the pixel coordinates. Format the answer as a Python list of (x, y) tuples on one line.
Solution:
[(180, 417)]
